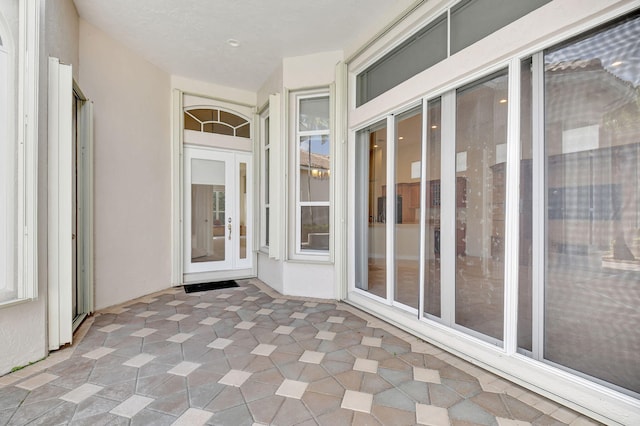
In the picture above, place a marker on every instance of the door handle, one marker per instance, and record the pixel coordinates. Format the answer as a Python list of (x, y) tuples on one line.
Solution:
[(229, 228)]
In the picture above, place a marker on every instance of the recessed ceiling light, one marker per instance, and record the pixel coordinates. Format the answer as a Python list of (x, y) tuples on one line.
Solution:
[(503, 101), (400, 137), (617, 63), (233, 42), (434, 127), (375, 146)]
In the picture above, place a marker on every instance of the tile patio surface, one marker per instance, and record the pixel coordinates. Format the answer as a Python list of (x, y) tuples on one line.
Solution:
[(246, 356)]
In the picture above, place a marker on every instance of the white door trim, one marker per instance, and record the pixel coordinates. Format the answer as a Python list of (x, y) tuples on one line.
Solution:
[(87, 138), (182, 99)]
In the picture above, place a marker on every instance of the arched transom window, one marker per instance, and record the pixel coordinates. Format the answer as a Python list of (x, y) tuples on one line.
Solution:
[(210, 120)]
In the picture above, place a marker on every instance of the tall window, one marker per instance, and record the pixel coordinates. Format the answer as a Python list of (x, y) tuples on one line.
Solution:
[(8, 107), (18, 138), (313, 174), (266, 161)]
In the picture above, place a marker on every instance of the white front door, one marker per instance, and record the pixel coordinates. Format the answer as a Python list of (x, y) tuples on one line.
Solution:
[(217, 211)]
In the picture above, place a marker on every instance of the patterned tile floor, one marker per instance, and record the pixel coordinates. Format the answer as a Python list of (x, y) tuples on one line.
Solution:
[(248, 356)]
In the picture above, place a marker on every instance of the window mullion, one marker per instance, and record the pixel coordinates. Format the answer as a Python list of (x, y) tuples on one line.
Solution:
[(302, 133)]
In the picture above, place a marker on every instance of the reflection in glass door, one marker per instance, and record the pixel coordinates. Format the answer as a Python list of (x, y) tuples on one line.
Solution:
[(242, 213), (462, 212), (216, 210), (208, 207), (371, 240), (591, 256), (408, 156), (481, 141), (432, 291)]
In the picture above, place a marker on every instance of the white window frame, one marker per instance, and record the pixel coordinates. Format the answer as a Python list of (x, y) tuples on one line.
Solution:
[(265, 151), (25, 137), (295, 252), (8, 289)]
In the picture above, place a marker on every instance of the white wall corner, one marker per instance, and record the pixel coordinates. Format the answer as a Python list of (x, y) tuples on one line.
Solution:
[(319, 69)]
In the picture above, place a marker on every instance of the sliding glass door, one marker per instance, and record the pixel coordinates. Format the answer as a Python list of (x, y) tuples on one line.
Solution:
[(371, 207), (480, 167), (515, 219)]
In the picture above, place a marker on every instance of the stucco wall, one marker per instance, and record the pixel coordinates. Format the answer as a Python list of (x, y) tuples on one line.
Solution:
[(132, 104), (316, 70), (213, 90), (272, 85), (63, 33)]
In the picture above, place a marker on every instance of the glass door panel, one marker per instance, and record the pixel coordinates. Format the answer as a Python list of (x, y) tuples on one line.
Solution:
[(525, 255), (592, 212), (371, 238), (242, 213), (208, 211), (377, 202), (407, 168), (217, 211), (481, 136), (432, 291)]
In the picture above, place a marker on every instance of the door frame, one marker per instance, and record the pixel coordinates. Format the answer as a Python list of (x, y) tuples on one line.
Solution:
[(84, 206), (232, 266), (62, 89), (181, 100)]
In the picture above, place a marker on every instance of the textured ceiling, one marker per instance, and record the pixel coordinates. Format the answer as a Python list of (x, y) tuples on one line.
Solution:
[(189, 37)]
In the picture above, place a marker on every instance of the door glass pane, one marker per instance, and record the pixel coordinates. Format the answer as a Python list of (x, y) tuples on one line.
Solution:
[(481, 136), (242, 213), (207, 210), (314, 168), (592, 145), (407, 226), (314, 227), (266, 237), (267, 159), (525, 299), (265, 181), (432, 220), (371, 187)]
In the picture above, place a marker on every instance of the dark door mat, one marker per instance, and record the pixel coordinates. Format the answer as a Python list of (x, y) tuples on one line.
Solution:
[(193, 288)]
